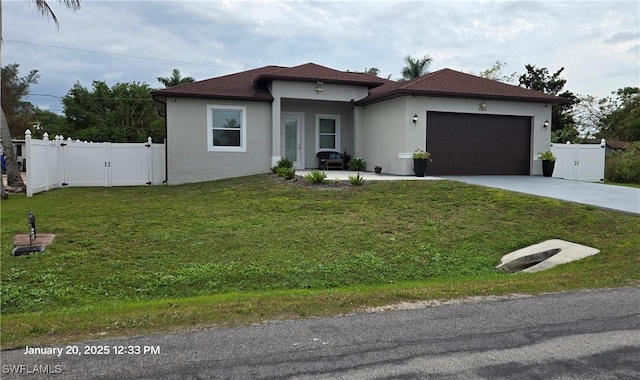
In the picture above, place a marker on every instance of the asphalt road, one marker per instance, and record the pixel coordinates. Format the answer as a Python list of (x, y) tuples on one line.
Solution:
[(581, 335)]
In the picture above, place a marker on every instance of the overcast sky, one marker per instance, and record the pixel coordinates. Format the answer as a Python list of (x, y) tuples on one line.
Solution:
[(597, 42)]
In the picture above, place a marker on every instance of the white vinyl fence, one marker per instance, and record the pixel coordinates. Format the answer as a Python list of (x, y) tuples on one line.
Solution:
[(58, 163), (580, 162)]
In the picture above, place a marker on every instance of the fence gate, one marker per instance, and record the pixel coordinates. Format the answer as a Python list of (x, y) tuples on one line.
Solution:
[(84, 164), (581, 162), (51, 164)]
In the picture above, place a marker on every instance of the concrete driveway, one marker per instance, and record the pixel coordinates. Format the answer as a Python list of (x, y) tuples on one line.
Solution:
[(619, 198)]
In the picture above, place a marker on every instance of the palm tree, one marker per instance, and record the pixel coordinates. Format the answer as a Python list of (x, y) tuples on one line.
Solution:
[(14, 179), (175, 79), (415, 67)]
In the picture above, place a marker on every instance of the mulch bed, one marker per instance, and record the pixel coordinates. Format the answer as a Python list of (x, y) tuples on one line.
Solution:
[(327, 185)]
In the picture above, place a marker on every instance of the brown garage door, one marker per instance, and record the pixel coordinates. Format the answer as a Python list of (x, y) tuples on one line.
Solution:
[(472, 144)]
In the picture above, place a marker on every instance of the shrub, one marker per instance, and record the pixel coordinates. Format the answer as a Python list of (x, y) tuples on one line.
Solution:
[(420, 154), (282, 163), (624, 166), (357, 163), (546, 156), (286, 173), (316, 176), (356, 180)]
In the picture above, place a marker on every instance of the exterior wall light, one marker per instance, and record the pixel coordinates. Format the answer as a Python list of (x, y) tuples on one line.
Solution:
[(483, 107), (319, 87), (414, 118), (546, 124)]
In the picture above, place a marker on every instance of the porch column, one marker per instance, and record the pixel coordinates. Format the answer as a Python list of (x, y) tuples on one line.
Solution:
[(358, 133), (276, 153)]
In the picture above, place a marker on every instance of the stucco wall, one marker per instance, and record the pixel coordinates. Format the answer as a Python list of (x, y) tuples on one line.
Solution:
[(389, 136), (188, 157), (381, 134), (305, 90)]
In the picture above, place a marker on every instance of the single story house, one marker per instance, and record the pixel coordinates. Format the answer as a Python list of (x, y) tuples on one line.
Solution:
[(243, 123)]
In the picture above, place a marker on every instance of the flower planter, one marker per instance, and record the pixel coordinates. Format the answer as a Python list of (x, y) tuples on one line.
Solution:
[(378, 169), (547, 167), (419, 167)]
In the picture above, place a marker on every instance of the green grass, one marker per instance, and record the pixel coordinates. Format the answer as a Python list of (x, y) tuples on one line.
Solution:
[(149, 259), (637, 185)]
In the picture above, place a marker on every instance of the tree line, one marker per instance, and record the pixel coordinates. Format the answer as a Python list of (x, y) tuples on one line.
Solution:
[(124, 112)]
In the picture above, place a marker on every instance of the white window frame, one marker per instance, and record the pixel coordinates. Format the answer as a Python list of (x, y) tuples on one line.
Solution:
[(243, 129), (337, 120)]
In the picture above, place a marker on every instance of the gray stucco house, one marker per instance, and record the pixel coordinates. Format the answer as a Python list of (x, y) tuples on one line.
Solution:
[(243, 123)]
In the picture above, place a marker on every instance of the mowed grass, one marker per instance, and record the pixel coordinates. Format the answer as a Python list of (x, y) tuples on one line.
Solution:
[(153, 259)]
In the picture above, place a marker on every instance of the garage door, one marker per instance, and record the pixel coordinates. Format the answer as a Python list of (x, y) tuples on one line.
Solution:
[(472, 144)]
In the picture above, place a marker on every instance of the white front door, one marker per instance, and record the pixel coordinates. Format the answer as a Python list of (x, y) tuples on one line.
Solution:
[(293, 138)]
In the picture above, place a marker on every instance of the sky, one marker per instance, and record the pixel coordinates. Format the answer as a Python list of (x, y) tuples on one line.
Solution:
[(597, 42)]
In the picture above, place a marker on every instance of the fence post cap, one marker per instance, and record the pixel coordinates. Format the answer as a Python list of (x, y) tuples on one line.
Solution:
[(603, 143)]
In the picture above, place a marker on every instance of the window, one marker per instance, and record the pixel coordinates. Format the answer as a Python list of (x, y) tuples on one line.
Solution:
[(328, 132), (226, 131)]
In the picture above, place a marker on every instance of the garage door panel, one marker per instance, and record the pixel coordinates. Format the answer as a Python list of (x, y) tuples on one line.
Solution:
[(473, 144)]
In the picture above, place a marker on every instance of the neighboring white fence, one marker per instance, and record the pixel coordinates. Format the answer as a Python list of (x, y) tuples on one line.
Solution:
[(59, 162), (581, 162)]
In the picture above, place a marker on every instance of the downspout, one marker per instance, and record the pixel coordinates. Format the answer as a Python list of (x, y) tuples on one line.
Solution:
[(166, 135)]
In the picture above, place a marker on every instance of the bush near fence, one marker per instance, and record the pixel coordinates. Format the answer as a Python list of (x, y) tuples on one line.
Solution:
[(624, 166)]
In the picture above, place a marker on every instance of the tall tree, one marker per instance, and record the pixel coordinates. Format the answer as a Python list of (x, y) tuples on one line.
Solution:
[(539, 79), (495, 73), (19, 113), (623, 122), (372, 71), (415, 67), (51, 123), (14, 179), (175, 79), (122, 113)]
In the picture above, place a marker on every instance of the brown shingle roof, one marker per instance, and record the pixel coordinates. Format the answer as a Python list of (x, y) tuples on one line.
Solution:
[(451, 83), (311, 72), (252, 85), (234, 86)]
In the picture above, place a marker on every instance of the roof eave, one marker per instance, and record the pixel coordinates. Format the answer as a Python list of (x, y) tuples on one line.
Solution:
[(405, 92), (260, 98), (263, 79)]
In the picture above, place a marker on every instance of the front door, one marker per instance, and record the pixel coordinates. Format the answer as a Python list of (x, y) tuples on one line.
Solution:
[(292, 141)]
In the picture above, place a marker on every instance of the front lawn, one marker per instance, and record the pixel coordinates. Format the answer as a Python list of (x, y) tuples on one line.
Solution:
[(145, 259)]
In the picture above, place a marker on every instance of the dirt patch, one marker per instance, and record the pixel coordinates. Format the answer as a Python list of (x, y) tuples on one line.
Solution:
[(14, 190), (434, 303)]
